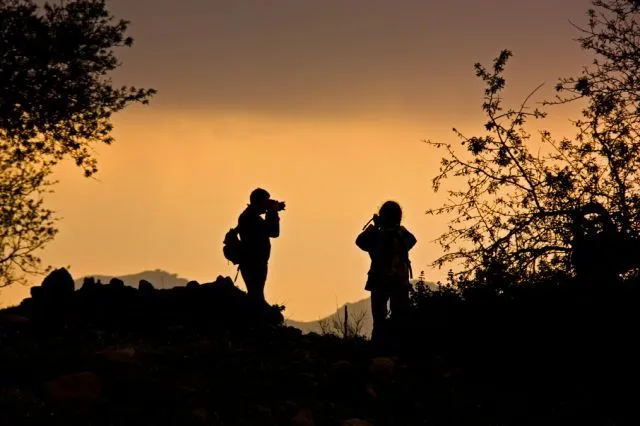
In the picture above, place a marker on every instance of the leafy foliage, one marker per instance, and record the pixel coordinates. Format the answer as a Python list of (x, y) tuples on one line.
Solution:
[(607, 146), (25, 224), (537, 344), (522, 208), (56, 102), (56, 99)]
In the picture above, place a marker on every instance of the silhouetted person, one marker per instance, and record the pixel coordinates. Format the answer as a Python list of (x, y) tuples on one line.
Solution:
[(255, 233), (388, 244)]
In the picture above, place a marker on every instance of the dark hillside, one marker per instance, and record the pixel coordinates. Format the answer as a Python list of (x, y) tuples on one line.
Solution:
[(203, 355)]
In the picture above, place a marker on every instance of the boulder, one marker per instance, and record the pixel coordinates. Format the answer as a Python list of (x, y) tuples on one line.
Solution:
[(14, 320), (145, 286), (355, 422), (193, 284), (338, 368), (27, 303), (224, 283), (84, 387), (89, 283), (381, 366), (263, 416), (371, 392), (202, 416), (302, 418), (37, 293), (57, 285), (119, 355), (290, 408), (340, 373), (116, 283)]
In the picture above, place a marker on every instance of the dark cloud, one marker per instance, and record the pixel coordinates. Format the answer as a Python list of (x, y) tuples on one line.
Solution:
[(337, 56)]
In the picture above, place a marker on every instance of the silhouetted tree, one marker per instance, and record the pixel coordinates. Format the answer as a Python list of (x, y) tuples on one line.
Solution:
[(56, 102), (344, 325), (519, 203), (25, 224)]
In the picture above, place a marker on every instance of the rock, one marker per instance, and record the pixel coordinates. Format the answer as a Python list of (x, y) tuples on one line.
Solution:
[(14, 320), (145, 286), (339, 367), (203, 346), (292, 332), (89, 283), (125, 355), (382, 366), (191, 383), (99, 334), (306, 381), (193, 284), (401, 369), (355, 422), (371, 392), (290, 408), (57, 285), (27, 303), (116, 283), (340, 373), (224, 282), (37, 293), (201, 415), (85, 387), (302, 418), (263, 415)]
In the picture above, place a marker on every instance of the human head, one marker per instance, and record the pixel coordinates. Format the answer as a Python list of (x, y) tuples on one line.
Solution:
[(259, 198), (390, 214)]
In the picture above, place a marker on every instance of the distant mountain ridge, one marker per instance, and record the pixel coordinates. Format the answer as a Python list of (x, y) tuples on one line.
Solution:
[(355, 309), (159, 278)]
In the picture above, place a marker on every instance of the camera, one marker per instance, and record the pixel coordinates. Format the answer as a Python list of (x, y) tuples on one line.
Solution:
[(277, 205)]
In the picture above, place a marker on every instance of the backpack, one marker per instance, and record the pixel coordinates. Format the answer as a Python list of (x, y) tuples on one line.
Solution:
[(232, 248), (394, 264)]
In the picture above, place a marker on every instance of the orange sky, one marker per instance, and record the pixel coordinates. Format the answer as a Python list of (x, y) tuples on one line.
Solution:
[(323, 103)]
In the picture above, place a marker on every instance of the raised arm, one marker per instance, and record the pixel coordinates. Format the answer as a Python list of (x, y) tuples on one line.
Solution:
[(273, 223), (367, 238)]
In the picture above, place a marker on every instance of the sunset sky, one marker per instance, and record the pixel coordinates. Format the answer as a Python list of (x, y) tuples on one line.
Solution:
[(324, 103)]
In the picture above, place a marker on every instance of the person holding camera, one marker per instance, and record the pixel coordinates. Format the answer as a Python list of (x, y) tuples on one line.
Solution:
[(255, 233), (388, 244)]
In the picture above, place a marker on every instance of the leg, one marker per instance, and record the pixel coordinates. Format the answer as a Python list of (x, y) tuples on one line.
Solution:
[(248, 276), (254, 277), (261, 279), (399, 302), (399, 312), (379, 299)]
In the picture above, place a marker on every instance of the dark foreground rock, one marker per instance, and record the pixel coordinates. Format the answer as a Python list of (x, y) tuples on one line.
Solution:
[(204, 355), (114, 305)]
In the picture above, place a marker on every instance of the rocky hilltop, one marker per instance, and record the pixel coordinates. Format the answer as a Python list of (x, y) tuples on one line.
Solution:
[(161, 279), (203, 354)]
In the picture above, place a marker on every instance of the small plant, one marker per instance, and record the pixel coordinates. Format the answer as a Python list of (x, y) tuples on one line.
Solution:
[(344, 325)]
